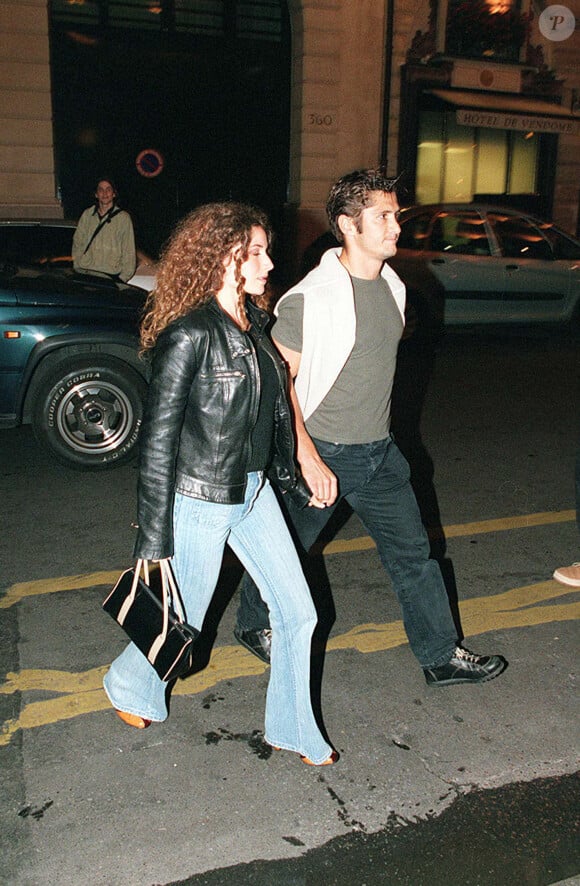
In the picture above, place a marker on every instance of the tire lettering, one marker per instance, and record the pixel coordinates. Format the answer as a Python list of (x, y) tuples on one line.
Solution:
[(85, 376)]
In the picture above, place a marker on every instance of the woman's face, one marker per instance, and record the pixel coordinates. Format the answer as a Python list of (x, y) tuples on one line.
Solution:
[(258, 264)]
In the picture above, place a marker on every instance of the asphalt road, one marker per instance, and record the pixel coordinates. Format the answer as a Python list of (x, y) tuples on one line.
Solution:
[(476, 785)]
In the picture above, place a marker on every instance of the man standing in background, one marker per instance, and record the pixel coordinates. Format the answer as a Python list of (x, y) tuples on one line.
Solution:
[(104, 240)]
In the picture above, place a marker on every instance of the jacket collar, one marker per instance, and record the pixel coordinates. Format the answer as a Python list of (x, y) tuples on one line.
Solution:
[(257, 316), (237, 341)]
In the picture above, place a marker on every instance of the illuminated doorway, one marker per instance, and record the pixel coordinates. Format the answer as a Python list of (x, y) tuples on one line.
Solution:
[(456, 162)]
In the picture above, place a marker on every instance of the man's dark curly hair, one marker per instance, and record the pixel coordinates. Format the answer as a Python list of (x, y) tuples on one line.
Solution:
[(351, 194)]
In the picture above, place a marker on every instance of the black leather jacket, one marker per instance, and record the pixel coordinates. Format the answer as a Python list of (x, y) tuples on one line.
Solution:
[(201, 407)]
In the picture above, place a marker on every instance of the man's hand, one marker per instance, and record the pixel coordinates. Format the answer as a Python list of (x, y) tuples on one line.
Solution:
[(316, 473)]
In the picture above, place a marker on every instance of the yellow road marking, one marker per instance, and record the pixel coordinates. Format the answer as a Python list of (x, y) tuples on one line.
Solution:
[(19, 591), (456, 530), (23, 589), (82, 693), (525, 521)]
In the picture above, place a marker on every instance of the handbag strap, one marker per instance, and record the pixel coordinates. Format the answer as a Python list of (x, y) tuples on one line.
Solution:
[(173, 590), (130, 599), (170, 597), (170, 594)]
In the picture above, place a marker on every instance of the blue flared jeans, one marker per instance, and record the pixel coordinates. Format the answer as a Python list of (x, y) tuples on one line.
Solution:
[(374, 478), (257, 533)]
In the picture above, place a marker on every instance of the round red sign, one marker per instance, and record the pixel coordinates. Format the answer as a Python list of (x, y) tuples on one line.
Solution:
[(149, 163)]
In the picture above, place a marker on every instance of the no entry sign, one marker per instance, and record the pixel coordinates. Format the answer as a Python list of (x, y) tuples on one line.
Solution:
[(149, 163)]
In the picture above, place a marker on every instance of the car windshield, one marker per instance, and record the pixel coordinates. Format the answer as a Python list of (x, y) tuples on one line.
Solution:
[(36, 244), (519, 238), (414, 231), (461, 232), (563, 247)]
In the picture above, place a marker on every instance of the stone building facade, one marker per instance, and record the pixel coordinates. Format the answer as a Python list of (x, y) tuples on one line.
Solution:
[(350, 62), (352, 66), (27, 179)]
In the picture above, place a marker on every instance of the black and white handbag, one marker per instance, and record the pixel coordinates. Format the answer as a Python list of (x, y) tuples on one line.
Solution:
[(150, 611)]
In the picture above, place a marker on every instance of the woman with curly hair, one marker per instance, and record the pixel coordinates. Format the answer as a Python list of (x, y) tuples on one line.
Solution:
[(216, 426)]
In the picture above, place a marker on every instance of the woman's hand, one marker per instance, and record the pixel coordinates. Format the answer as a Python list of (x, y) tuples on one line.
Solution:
[(317, 503), (315, 472), (319, 478)]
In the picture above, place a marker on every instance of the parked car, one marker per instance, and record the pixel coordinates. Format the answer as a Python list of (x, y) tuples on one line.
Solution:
[(69, 362), (480, 264), (41, 241)]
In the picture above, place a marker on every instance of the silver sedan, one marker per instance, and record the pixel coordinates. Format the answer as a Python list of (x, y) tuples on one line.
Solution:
[(476, 264)]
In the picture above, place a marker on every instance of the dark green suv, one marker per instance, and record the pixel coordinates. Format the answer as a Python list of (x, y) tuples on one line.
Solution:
[(69, 362)]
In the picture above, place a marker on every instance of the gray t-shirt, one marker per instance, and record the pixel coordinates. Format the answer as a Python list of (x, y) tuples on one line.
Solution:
[(357, 409)]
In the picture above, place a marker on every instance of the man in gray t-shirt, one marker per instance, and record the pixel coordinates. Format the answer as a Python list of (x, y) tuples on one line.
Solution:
[(338, 330), (357, 409)]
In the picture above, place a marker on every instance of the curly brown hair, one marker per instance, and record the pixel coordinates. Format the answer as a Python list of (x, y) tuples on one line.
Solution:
[(191, 268)]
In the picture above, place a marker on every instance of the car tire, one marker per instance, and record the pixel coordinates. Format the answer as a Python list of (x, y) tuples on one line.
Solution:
[(88, 412)]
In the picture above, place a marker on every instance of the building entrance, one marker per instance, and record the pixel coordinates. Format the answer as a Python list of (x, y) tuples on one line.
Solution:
[(455, 162), (179, 106)]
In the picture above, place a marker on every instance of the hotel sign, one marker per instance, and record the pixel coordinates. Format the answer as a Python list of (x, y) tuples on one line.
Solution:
[(522, 122)]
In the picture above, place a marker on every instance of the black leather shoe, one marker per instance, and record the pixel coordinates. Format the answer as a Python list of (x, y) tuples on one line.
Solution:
[(465, 667), (259, 643)]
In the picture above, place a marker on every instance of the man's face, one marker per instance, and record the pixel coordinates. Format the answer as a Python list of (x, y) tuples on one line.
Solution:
[(378, 229), (105, 195)]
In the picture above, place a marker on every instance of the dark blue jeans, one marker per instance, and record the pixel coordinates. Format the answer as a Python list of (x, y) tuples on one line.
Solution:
[(374, 480)]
